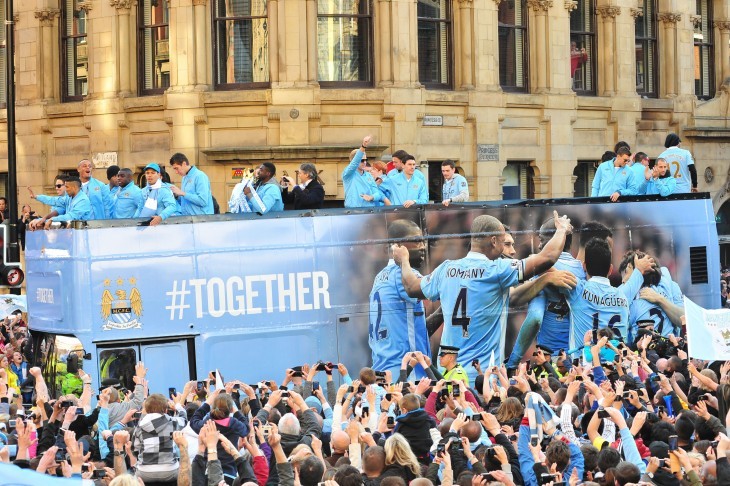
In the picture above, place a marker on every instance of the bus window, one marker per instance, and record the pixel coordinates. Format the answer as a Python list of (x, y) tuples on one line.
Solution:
[(117, 364), (61, 358)]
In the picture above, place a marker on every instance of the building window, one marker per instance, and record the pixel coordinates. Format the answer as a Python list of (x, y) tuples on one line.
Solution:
[(583, 48), (704, 56), (584, 173), (646, 51), (344, 42), (241, 43), (3, 67), (513, 59), (154, 43), (434, 44), (518, 181), (74, 52)]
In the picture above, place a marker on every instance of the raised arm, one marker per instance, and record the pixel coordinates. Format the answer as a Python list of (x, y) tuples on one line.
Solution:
[(550, 253), (411, 282)]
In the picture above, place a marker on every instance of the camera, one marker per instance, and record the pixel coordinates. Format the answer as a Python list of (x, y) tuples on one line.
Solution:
[(390, 421), (201, 385), (98, 474), (456, 391), (66, 404), (475, 362), (315, 386), (548, 478)]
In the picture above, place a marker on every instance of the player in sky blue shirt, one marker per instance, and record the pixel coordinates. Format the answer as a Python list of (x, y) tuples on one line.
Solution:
[(613, 178), (102, 204), (595, 304), (58, 202), (474, 291), (78, 207), (405, 188), (360, 188), (455, 188), (639, 168), (397, 321), (129, 197), (193, 196), (681, 164)]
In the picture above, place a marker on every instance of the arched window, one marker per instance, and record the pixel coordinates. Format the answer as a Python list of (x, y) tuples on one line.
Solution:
[(344, 43), (646, 51), (435, 53), (154, 46), (583, 48), (704, 58), (240, 43), (513, 43), (74, 52)]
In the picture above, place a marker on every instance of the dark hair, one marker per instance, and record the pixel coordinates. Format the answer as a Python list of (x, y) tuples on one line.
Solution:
[(598, 258), (590, 457), (639, 156), (61, 177), (661, 431), (547, 230), (623, 151), (619, 145), (349, 476), (626, 472), (126, 171), (111, 171), (270, 167), (593, 229), (402, 228), (409, 157), (75, 180), (608, 458), (608, 155), (651, 278), (400, 155), (449, 163), (685, 426), (179, 158), (311, 471), (3, 198)]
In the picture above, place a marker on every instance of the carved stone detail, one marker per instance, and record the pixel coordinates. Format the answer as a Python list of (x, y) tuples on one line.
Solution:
[(570, 5), (637, 12), (669, 17), (696, 20), (200, 2), (200, 119), (722, 25), (121, 4), (46, 16), (86, 6), (609, 11), (539, 5)]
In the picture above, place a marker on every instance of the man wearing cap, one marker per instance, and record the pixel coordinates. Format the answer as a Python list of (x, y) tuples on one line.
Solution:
[(360, 188), (102, 203), (448, 360), (681, 164), (194, 192), (129, 197), (157, 201), (474, 291)]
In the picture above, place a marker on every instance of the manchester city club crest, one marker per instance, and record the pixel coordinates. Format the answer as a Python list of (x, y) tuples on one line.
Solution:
[(123, 308)]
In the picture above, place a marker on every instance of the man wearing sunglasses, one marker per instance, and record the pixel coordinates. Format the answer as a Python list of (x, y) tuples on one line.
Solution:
[(58, 202)]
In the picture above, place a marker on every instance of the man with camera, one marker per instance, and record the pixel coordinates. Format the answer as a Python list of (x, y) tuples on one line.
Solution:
[(308, 194)]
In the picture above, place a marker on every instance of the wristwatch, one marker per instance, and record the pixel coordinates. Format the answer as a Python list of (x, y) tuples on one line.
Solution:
[(120, 454)]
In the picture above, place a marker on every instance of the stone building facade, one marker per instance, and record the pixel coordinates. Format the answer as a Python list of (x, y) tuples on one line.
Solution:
[(525, 95)]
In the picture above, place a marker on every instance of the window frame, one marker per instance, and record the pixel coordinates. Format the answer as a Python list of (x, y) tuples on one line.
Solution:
[(217, 86), (141, 57), (525, 28), (64, 39), (592, 59), (646, 42), (710, 46), (369, 51), (450, 70)]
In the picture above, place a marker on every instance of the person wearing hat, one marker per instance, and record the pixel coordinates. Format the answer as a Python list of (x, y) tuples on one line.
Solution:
[(448, 360), (681, 164), (158, 201)]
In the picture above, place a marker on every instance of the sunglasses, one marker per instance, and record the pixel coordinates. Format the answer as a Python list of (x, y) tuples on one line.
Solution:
[(58, 186)]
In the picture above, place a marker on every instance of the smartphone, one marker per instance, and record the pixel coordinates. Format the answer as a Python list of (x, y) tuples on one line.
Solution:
[(548, 478), (67, 403), (662, 463), (391, 422), (256, 423), (673, 443), (266, 430), (201, 385), (365, 412), (624, 352), (79, 411), (488, 477), (323, 366), (512, 381), (84, 467), (315, 386), (380, 374), (350, 389), (361, 389), (237, 386), (534, 440), (579, 378), (475, 362), (388, 396), (576, 362), (211, 382), (98, 474), (12, 423), (172, 391), (285, 394), (456, 391)]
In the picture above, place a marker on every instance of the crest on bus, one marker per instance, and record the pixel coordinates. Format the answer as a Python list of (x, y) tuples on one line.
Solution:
[(122, 308)]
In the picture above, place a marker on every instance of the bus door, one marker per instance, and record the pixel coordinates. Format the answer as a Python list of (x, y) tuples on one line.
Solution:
[(170, 364)]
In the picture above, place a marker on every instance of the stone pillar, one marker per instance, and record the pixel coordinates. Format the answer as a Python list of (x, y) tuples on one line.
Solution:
[(200, 75), (486, 63), (607, 53), (384, 43), (540, 61), (466, 56), (404, 50), (125, 83), (184, 31), (311, 34), (668, 52), (722, 54), (46, 18), (273, 11)]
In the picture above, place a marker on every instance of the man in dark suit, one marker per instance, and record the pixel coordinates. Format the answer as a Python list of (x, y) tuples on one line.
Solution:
[(308, 194)]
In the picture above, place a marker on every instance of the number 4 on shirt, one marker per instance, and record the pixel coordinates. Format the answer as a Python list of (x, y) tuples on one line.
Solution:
[(458, 316)]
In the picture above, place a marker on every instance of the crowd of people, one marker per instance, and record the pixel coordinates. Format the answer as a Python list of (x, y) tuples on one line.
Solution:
[(398, 182)]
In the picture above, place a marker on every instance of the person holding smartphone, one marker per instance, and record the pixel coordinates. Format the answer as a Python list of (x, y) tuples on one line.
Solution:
[(308, 194)]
